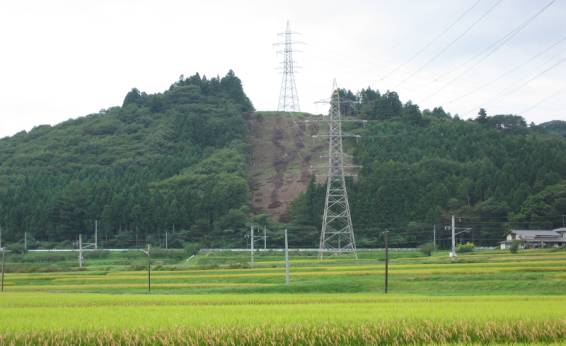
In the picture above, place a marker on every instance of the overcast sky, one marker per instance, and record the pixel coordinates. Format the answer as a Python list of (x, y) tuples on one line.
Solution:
[(66, 59)]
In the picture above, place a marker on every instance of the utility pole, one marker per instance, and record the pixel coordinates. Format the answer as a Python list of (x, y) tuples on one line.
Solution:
[(288, 98), (286, 259), (264, 237), (3, 262), (81, 259), (26, 241), (434, 237), (386, 238), (96, 234), (148, 253), (337, 233), (563, 221), (252, 245), (166, 242), (453, 253), (0, 237)]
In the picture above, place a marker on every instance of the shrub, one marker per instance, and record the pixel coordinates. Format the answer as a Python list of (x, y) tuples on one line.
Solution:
[(16, 248), (98, 254), (515, 246), (426, 248), (467, 247), (192, 248)]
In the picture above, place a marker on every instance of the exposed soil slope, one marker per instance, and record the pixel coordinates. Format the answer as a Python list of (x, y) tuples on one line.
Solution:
[(283, 152)]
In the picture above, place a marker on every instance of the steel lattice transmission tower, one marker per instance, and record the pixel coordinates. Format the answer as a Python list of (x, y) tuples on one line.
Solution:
[(288, 98), (337, 234)]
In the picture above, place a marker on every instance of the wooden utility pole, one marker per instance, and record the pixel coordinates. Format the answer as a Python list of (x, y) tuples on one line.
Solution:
[(386, 238), (3, 262)]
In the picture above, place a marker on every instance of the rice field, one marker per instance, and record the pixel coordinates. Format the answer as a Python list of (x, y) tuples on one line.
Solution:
[(333, 319), (482, 298), (489, 272)]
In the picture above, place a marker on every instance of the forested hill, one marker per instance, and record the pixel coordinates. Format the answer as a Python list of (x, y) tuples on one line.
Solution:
[(420, 167), (178, 161), (170, 160)]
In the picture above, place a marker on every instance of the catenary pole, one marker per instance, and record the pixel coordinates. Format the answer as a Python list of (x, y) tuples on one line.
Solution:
[(148, 268), (286, 259), (252, 244), (80, 250), (453, 253)]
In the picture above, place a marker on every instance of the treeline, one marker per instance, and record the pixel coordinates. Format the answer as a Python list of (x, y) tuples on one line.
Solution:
[(173, 160), (420, 167), (177, 161)]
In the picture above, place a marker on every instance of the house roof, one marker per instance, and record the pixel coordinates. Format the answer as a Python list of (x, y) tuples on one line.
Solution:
[(532, 233), (540, 235)]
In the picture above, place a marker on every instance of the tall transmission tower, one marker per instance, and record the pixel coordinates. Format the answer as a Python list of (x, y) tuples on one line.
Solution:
[(288, 98), (337, 234)]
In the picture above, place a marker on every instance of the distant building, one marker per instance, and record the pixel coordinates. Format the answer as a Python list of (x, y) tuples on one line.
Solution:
[(536, 238)]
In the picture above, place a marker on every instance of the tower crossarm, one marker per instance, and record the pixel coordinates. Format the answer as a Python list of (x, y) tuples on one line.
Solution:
[(337, 233)]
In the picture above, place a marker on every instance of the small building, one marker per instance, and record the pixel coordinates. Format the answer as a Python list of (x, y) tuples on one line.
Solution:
[(536, 238)]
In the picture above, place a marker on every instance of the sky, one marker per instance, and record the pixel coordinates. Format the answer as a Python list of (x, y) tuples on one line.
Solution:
[(66, 59)]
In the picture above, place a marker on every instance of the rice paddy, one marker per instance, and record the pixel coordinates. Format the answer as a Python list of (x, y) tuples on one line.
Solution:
[(482, 298)]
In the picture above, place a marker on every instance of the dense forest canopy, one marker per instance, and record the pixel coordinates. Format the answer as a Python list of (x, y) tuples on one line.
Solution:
[(178, 161), (170, 160), (419, 168)]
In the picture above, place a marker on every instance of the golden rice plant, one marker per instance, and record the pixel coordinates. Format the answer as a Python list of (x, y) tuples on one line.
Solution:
[(383, 333)]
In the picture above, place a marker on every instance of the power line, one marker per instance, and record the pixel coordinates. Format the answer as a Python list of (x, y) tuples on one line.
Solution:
[(494, 47), (513, 69), (431, 42), (530, 108), (509, 91), (449, 45)]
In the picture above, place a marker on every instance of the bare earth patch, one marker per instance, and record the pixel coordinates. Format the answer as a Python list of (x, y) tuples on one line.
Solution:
[(282, 153)]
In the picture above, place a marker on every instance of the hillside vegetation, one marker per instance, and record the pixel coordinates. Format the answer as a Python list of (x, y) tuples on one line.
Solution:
[(493, 172), (176, 159), (195, 161)]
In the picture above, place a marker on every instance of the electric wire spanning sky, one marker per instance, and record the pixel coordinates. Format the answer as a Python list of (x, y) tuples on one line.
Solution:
[(64, 59)]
